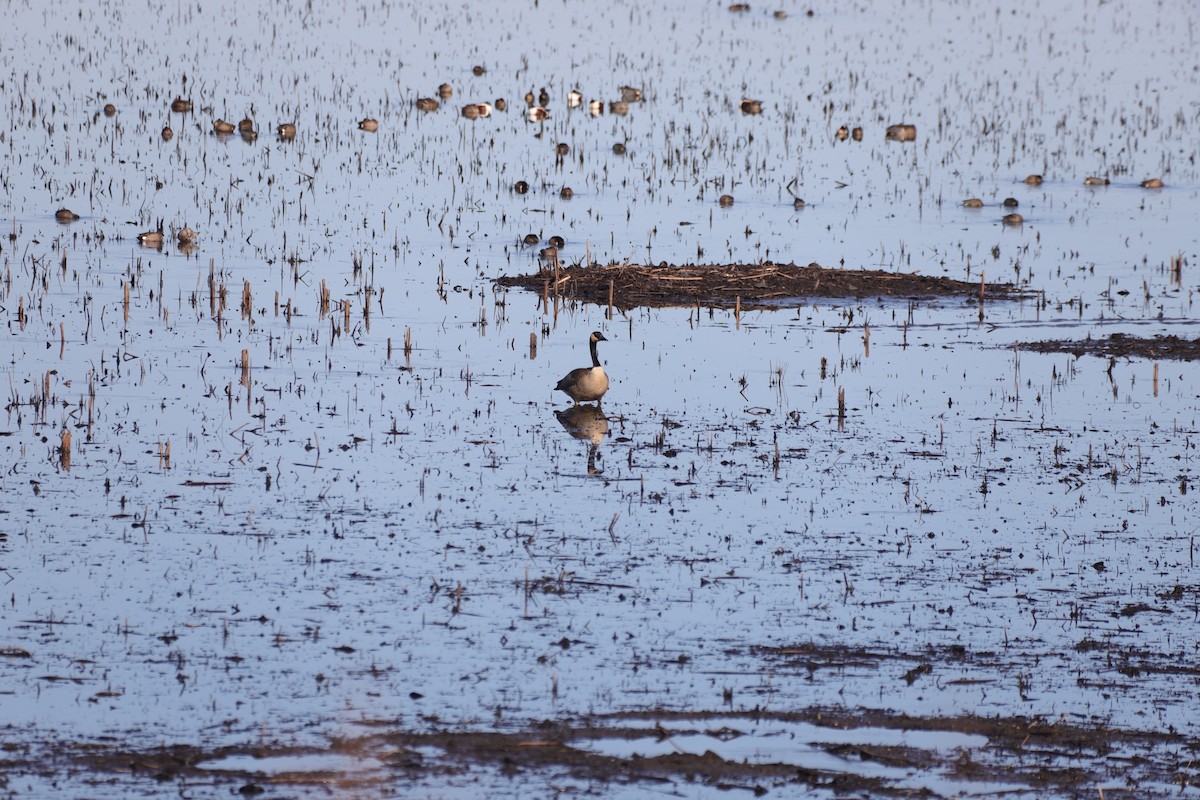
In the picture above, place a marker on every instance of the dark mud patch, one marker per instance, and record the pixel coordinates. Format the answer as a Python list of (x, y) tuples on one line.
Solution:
[(828, 750), (748, 285), (1118, 345)]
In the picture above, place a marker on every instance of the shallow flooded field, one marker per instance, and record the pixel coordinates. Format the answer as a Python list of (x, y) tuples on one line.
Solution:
[(293, 508)]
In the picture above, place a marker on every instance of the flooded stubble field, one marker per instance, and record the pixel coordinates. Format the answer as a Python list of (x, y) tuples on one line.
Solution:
[(289, 505)]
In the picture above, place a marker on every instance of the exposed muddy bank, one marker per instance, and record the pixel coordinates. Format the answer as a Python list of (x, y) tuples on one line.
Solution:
[(826, 752)]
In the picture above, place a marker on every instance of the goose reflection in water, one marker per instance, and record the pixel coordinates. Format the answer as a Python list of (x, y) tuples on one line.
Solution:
[(589, 424)]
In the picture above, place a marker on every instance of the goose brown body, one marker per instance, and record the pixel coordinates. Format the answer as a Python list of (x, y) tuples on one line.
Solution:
[(586, 383)]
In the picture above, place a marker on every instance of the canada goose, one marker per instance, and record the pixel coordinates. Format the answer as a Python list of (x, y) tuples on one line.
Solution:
[(587, 383)]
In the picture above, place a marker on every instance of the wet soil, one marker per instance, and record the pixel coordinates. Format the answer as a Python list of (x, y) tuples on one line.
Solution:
[(1024, 755), (1120, 345), (628, 285)]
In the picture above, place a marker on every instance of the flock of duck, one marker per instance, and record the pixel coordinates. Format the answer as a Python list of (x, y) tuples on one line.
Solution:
[(1015, 218), (536, 111), (536, 104)]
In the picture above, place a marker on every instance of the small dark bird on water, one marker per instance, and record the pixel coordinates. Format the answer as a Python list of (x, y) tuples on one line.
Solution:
[(586, 383)]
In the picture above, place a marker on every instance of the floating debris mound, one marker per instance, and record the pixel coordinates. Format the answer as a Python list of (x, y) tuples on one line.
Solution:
[(630, 285), (1120, 345)]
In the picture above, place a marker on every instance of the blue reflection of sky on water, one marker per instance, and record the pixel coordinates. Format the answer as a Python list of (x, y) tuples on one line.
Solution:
[(365, 526)]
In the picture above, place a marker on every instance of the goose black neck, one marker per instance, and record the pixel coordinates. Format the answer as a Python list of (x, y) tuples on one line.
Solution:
[(595, 357)]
